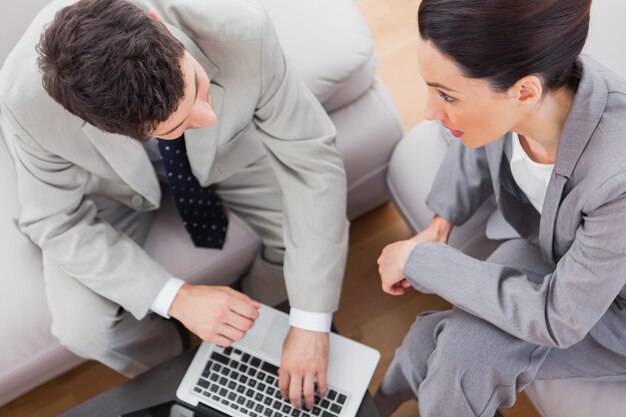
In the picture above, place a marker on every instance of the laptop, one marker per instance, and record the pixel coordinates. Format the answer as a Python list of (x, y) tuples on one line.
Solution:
[(242, 380)]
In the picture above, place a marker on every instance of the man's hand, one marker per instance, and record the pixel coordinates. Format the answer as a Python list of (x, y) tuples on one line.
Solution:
[(218, 315), (394, 256), (304, 362)]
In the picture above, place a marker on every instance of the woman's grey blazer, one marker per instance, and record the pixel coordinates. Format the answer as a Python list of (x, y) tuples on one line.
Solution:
[(262, 108), (581, 231)]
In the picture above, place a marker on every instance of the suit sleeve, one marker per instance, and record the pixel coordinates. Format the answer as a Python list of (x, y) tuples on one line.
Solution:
[(462, 184), (567, 303), (58, 218), (300, 141)]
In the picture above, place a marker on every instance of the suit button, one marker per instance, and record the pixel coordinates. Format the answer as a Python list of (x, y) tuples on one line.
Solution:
[(136, 201)]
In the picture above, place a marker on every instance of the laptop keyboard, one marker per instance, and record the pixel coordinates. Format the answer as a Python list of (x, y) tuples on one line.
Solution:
[(249, 387)]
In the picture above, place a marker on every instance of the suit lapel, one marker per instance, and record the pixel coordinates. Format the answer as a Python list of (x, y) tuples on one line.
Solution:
[(522, 217), (494, 153), (202, 143), (129, 160), (548, 215), (583, 118)]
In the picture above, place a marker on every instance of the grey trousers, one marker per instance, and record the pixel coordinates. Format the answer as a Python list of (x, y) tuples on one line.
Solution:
[(93, 327), (458, 365)]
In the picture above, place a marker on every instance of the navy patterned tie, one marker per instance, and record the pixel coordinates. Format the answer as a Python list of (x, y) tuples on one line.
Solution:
[(199, 207)]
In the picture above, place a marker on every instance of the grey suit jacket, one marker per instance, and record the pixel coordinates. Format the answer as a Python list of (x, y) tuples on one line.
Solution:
[(581, 231), (262, 109)]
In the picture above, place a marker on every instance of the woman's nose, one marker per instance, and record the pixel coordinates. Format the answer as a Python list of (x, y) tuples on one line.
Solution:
[(432, 109)]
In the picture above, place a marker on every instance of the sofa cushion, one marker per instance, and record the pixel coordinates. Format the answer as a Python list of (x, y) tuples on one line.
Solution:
[(578, 398), (27, 343), (329, 45), (366, 166)]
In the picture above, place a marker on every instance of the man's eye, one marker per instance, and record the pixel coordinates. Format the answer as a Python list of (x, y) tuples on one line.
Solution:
[(446, 97)]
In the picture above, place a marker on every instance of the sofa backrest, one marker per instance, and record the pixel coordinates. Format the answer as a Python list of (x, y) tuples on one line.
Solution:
[(15, 17), (606, 34), (608, 28)]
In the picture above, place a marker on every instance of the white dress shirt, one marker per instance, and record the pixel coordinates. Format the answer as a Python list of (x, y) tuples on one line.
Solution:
[(318, 322), (531, 177)]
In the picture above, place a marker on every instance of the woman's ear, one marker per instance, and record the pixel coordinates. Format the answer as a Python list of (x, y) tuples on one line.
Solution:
[(528, 91)]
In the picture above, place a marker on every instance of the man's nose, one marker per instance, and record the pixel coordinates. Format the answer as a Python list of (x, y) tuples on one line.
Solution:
[(203, 115)]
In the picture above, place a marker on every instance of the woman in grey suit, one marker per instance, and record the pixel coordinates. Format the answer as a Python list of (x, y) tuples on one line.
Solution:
[(542, 130)]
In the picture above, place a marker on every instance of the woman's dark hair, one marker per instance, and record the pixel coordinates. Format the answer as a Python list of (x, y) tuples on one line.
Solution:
[(504, 40), (112, 65)]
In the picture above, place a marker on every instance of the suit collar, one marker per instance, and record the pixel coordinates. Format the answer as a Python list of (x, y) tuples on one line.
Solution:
[(201, 143), (191, 47), (583, 119), (584, 116)]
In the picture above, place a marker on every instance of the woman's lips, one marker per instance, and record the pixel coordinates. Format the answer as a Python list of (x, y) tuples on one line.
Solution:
[(455, 133)]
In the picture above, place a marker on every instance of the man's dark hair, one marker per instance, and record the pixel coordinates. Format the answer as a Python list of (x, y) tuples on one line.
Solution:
[(112, 65), (505, 40)]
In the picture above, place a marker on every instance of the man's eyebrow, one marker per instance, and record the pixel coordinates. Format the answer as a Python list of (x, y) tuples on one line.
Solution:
[(437, 85), (195, 77)]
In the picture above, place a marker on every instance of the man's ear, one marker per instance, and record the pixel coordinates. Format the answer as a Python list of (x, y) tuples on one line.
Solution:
[(155, 15), (528, 91)]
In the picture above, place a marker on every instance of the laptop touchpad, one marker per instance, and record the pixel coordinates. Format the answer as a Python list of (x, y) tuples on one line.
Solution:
[(273, 343)]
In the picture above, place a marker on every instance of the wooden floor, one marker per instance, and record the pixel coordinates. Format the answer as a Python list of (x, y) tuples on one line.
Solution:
[(366, 313)]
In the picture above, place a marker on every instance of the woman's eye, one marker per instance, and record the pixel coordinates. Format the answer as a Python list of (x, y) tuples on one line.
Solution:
[(445, 97)]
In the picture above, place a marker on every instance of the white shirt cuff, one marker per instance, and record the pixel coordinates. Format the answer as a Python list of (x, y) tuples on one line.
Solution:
[(307, 320), (164, 299)]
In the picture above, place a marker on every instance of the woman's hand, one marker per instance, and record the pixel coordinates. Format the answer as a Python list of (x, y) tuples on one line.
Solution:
[(390, 265), (394, 256)]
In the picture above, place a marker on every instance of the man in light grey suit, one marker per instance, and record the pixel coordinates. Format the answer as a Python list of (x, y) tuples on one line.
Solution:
[(542, 131), (84, 113)]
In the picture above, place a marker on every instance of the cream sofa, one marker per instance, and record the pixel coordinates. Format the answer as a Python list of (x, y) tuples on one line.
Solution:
[(328, 43), (411, 172)]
